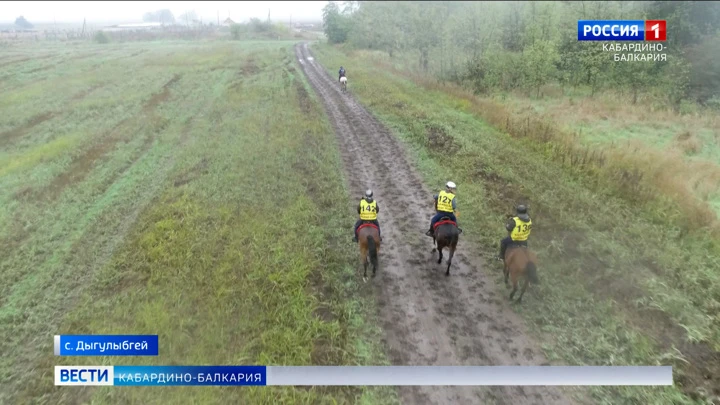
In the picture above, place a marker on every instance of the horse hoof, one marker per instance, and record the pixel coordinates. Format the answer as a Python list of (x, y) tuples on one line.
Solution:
[(434, 250), (364, 279)]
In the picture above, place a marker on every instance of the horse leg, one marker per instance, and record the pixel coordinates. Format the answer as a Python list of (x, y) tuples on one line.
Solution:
[(440, 256), (522, 291), (434, 245), (515, 286), (506, 272), (452, 253), (363, 260)]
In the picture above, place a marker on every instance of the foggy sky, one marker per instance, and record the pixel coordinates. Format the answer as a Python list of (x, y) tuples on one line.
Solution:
[(132, 11)]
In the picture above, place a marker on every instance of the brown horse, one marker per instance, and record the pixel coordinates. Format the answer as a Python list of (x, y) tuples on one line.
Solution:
[(445, 234), (369, 241), (520, 262)]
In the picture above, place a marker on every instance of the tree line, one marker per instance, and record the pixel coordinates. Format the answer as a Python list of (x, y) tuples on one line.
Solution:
[(493, 46)]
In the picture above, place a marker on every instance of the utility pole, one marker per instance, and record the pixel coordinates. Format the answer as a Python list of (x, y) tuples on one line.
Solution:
[(218, 13)]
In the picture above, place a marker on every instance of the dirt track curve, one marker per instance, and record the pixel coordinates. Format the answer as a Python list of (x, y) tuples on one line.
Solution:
[(428, 318)]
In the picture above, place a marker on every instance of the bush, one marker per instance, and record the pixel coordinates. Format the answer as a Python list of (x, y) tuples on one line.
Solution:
[(256, 25), (714, 103), (705, 69), (237, 30), (256, 28), (101, 37), (688, 107)]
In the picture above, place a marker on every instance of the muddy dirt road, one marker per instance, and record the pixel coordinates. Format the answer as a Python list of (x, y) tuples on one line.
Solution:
[(428, 318)]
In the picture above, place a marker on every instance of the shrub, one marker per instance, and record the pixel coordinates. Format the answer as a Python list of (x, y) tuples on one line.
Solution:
[(101, 37)]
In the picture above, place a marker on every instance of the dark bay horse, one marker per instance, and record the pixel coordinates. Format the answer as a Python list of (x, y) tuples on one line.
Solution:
[(369, 241), (520, 262), (445, 234)]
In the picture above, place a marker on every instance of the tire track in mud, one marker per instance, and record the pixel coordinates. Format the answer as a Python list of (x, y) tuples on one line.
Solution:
[(428, 318)]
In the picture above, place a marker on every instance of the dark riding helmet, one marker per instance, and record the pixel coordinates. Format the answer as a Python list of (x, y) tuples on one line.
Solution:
[(521, 209), (368, 193)]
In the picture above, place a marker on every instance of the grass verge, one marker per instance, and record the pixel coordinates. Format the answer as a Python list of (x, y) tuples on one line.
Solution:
[(204, 212), (623, 283)]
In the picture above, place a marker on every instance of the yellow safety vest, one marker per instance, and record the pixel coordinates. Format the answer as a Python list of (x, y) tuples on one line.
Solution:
[(521, 232), (444, 201), (368, 211)]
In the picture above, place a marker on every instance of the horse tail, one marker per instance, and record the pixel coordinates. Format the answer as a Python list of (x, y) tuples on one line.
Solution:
[(454, 236), (531, 271), (373, 251)]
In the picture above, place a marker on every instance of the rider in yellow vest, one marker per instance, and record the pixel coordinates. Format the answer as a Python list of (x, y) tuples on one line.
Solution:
[(445, 206), (519, 228), (368, 210)]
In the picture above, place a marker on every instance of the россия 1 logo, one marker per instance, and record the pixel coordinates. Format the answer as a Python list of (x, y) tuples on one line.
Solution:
[(622, 30)]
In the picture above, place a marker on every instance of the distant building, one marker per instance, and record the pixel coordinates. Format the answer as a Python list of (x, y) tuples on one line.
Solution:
[(228, 22), (133, 27), (304, 26), (15, 28)]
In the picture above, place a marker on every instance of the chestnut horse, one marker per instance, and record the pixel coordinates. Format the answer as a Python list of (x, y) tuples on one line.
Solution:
[(520, 262)]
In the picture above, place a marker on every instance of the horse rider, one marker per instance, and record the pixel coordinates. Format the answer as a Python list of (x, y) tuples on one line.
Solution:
[(368, 210), (341, 73), (518, 227), (445, 206)]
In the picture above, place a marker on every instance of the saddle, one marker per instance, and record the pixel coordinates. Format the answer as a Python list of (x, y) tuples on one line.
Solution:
[(365, 223), (443, 221), (514, 245)]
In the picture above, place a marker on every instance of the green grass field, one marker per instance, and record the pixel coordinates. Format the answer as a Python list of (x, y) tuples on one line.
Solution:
[(186, 189), (622, 285), (689, 140), (612, 118), (678, 153), (190, 190)]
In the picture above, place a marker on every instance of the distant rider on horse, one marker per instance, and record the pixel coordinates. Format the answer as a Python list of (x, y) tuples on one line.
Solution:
[(445, 206), (518, 227), (368, 210), (341, 73)]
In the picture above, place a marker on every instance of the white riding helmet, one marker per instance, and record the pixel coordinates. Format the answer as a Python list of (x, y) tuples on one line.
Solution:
[(450, 184)]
